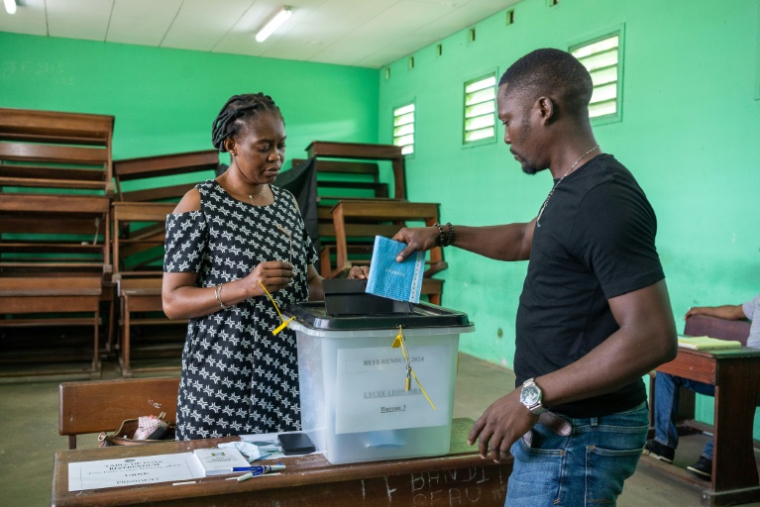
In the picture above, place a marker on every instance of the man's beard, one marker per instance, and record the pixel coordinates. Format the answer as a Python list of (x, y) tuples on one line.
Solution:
[(527, 168)]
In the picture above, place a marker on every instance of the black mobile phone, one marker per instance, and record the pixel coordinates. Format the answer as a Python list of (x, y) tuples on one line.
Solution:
[(295, 443)]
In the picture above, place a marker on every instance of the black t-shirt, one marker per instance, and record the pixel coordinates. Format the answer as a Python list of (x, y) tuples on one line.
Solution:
[(595, 242)]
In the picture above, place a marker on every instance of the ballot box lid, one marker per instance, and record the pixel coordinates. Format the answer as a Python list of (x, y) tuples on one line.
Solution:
[(313, 315)]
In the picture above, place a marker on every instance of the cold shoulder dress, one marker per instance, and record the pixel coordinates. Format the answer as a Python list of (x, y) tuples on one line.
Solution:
[(237, 377)]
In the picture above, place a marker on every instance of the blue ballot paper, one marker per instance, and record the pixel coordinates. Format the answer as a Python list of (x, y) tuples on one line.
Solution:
[(401, 281)]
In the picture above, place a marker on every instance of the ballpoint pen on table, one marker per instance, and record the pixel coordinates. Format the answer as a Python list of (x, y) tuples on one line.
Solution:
[(255, 471), (259, 469)]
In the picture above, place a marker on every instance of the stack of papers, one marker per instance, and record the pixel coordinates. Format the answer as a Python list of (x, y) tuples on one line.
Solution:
[(220, 461), (705, 343)]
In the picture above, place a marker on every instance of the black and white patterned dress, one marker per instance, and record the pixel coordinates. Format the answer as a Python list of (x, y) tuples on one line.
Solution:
[(237, 377)]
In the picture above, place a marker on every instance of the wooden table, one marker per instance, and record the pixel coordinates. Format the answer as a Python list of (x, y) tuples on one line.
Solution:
[(460, 478), (735, 373)]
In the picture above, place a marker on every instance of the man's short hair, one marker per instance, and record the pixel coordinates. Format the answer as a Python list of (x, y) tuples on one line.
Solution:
[(553, 73)]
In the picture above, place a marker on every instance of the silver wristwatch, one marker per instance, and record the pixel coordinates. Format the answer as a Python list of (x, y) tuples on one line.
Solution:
[(531, 395)]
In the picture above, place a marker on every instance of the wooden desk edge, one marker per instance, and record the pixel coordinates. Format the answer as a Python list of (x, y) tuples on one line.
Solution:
[(219, 486)]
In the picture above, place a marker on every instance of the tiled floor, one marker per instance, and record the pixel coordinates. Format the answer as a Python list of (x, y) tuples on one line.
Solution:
[(29, 438)]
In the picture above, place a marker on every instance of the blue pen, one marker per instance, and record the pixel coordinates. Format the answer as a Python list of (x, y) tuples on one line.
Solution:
[(259, 469)]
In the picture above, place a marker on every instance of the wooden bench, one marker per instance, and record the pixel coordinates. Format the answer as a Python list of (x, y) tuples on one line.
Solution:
[(139, 217), (145, 169), (362, 220), (55, 188), (29, 302), (47, 149), (93, 407), (359, 151), (139, 280), (357, 178)]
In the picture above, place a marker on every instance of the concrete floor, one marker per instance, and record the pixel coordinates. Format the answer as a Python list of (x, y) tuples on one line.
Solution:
[(29, 438)]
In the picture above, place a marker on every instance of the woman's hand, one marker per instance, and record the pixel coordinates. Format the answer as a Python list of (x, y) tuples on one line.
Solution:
[(358, 272), (274, 275), (418, 240)]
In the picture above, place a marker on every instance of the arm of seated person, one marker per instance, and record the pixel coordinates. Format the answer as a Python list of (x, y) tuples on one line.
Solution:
[(728, 312)]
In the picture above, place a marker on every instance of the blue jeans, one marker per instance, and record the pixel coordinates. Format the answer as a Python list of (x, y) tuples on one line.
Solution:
[(586, 468), (666, 394)]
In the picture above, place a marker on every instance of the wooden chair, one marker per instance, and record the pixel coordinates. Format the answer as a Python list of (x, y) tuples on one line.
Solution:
[(362, 220), (93, 407), (139, 280)]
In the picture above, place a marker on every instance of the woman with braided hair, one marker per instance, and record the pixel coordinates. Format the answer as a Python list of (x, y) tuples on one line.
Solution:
[(227, 241)]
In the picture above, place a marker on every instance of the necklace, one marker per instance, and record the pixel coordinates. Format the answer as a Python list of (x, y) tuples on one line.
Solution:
[(551, 192), (251, 196)]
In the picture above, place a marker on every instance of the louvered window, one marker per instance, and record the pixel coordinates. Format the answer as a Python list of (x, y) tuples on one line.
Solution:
[(480, 109), (403, 128), (602, 59)]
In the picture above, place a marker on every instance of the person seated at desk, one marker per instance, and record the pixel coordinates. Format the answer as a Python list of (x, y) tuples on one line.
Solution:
[(663, 446), (229, 242)]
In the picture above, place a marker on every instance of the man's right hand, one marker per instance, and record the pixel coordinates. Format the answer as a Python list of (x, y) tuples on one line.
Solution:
[(418, 239)]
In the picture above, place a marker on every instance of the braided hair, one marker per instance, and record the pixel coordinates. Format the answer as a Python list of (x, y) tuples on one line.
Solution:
[(235, 111)]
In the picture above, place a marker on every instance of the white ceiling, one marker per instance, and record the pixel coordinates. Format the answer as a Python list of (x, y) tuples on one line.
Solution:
[(364, 33)]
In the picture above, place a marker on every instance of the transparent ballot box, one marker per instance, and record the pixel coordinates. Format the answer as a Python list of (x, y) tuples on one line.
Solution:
[(359, 400)]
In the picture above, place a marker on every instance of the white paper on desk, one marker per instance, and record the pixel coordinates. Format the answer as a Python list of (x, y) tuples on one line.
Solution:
[(112, 473)]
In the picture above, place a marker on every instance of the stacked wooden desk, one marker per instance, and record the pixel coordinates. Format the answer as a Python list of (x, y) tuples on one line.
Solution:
[(460, 478)]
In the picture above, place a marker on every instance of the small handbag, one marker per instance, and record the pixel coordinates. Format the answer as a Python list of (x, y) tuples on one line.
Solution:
[(143, 430)]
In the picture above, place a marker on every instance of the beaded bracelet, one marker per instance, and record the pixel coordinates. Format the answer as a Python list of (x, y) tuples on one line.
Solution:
[(439, 241), (450, 237), (218, 294)]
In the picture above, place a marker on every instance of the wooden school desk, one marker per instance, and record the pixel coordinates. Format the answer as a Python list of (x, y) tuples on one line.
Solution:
[(735, 373), (460, 478)]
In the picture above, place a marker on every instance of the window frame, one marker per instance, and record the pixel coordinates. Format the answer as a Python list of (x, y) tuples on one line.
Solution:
[(400, 105), (493, 72), (589, 39)]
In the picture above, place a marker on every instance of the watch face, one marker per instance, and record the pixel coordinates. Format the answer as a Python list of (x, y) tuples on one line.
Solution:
[(530, 395)]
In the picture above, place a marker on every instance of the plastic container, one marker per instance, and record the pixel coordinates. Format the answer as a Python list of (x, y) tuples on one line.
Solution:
[(354, 405)]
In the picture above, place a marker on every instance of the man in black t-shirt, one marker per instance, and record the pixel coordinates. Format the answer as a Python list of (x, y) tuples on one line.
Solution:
[(594, 313)]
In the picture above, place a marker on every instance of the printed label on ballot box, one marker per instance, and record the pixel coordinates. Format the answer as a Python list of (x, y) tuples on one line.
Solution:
[(371, 389)]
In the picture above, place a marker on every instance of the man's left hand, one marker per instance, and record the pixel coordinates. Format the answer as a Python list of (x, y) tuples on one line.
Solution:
[(506, 420)]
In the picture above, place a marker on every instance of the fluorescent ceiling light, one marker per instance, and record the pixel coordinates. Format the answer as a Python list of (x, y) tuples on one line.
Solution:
[(273, 24), (10, 6)]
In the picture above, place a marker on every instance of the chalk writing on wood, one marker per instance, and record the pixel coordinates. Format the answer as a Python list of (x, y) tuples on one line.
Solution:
[(469, 486)]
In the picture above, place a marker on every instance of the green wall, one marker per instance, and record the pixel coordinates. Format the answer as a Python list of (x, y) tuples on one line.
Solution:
[(690, 132), (165, 100)]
